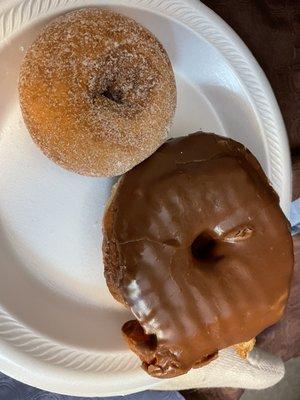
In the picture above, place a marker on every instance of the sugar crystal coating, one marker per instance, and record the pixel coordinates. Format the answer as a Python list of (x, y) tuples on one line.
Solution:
[(97, 92)]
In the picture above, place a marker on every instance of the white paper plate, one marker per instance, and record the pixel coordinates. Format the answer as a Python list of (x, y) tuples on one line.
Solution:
[(59, 327)]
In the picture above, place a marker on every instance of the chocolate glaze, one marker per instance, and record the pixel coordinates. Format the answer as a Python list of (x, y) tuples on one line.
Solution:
[(196, 245)]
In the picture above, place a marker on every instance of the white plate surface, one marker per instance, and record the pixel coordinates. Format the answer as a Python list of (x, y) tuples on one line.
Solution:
[(59, 327)]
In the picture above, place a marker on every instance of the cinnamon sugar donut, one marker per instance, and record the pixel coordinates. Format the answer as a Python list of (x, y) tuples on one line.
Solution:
[(97, 92), (196, 245)]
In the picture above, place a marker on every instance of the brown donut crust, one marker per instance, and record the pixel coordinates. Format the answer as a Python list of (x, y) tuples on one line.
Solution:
[(190, 305), (97, 92)]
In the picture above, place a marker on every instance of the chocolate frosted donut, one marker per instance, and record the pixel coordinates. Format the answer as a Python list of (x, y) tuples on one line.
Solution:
[(196, 245), (97, 92)]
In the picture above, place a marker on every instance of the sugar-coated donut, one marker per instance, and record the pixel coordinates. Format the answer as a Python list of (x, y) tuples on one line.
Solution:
[(196, 245), (97, 92)]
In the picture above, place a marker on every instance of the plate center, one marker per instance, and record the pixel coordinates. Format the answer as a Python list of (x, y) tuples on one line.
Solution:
[(53, 216)]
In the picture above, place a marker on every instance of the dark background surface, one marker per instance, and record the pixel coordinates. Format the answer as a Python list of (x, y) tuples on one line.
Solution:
[(271, 30)]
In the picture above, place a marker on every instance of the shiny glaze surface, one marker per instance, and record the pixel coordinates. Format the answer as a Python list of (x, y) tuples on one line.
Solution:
[(204, 252)]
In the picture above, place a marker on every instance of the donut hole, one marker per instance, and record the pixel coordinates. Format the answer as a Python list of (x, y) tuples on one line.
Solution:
[(203, 247), (113, 95)]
